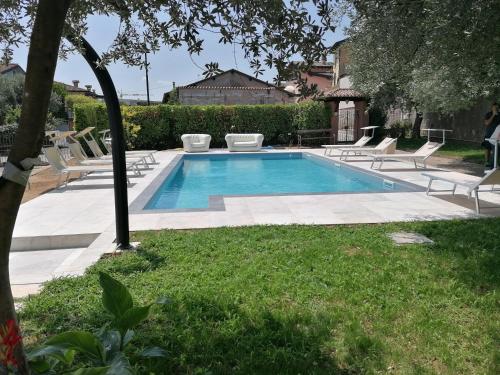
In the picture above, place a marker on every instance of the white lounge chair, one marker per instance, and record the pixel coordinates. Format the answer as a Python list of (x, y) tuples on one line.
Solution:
[(59, 165), (362, 142), (86, 135), (196, 142), (244, 142), (421, 155), (387, 146), (472, 184), (106, 141), (80, 155)]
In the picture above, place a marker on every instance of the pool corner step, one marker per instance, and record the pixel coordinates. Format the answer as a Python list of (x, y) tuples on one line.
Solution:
[(52, 242)]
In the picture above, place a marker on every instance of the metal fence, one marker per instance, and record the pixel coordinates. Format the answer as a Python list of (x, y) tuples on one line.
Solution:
[(346, 132), (7, 140)]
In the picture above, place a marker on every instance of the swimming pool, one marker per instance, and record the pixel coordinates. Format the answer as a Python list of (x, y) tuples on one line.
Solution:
[(195, 182)]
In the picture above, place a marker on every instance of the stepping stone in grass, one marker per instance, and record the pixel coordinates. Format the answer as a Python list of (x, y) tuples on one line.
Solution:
[(403, 238)]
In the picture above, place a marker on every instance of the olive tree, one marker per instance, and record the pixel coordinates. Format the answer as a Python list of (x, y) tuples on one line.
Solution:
[(269, 33), (438, 55)]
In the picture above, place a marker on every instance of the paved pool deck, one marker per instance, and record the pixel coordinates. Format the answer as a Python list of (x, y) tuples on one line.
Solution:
[(64, 231)]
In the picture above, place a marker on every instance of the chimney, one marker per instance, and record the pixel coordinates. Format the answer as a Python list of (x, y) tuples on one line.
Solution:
[(75, 83), (88, 87), (323, 58)]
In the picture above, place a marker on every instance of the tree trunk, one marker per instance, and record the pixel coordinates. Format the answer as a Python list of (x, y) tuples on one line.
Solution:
[(42, 61), (415, 133)]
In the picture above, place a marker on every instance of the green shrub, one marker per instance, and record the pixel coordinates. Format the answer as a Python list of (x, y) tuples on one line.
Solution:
[(400, 128), (72, 100), (161, 126)]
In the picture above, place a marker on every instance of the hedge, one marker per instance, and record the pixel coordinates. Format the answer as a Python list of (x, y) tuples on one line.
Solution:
[(161, 126)]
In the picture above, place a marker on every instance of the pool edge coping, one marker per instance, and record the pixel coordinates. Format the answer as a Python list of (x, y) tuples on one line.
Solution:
[(216, 202)]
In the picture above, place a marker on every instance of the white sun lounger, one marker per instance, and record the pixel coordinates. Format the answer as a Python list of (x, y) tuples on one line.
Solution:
[(387, 146), (86, 134), (59, 165), (106, 141), (491, 178), (421, 155), (80, 155), (362, 142)]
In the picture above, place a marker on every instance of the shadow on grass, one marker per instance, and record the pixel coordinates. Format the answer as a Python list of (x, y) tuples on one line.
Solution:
[(205, 336), (125, 264), (472, 245)]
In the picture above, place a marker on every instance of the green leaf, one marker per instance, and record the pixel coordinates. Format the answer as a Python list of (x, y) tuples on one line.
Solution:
[(50, 351), (81, 341), (111, 340), (132, 317), (115, 296), (120, 365), (44, 351), (154, 352), (41, 366), (92, 371), (127, 337)]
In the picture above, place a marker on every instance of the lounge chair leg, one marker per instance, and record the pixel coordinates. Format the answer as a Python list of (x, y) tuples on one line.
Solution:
[(415, 162), (476, 193), (429, 186), (454, 188), (381, 164)]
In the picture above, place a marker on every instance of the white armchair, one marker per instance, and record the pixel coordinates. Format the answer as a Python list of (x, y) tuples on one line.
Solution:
[(244, 142), (196, 142)]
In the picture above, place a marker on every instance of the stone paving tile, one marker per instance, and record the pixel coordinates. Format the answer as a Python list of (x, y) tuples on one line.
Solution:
[(35, 267), (87, 206), (402, 238)]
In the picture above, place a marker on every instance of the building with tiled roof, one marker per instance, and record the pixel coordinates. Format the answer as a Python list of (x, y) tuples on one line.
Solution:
[(232, 87), (11, 69), (75, 89), (320, 73)]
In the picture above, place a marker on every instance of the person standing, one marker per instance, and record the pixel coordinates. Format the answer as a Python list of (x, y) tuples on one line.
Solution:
[(491, 121)]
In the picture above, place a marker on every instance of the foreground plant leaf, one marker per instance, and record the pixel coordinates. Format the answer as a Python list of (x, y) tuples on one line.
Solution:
[(115, 296), (81, 341)]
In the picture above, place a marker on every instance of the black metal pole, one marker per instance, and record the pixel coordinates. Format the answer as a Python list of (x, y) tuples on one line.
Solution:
[(117, 139), (147, 76)]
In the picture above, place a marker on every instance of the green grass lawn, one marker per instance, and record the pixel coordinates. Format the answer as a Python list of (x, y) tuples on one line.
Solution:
[(302, 299), (469, 152)]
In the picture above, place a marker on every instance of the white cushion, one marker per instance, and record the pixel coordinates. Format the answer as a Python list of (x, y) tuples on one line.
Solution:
[(242, 143)]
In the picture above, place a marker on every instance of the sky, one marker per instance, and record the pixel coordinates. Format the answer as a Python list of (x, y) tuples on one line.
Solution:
[(165, 66)]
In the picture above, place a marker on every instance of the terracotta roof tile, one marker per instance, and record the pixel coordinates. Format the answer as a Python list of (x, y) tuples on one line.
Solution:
[(342, 94), (227, 87)]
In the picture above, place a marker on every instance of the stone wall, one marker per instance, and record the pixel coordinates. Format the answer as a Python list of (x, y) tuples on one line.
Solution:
[(206, 96)]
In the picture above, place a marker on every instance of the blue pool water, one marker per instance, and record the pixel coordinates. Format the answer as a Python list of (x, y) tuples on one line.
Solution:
[(197, 177)]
